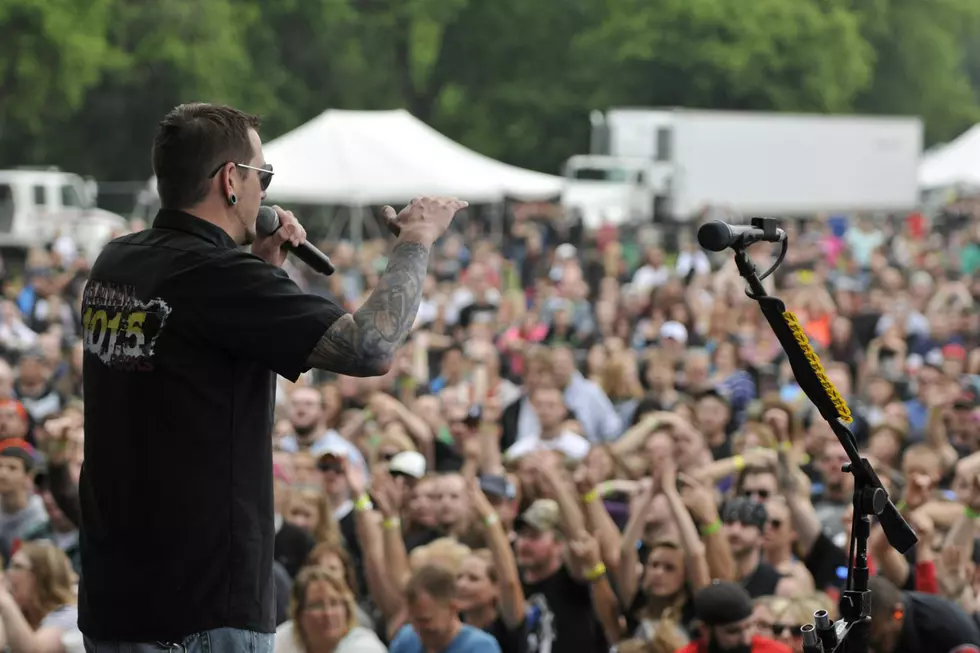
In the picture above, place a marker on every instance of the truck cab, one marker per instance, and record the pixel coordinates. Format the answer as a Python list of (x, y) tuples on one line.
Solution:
[(37, 205)]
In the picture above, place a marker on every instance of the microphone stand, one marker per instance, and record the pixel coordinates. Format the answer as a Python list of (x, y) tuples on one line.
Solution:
[(850, 634)]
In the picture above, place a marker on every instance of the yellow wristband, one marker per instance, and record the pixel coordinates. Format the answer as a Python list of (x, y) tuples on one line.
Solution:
[(595, 573), (739, 463), (786, 446), (901, 505), (392, 523), (971, 513), (711, 529), (591, 496), (491, 519), (363, 503)]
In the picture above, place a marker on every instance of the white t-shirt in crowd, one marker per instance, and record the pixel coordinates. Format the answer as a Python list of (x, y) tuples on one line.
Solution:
[(571, 444)]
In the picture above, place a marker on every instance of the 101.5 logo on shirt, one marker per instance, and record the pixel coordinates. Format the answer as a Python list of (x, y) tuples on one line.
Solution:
[(118, 328)]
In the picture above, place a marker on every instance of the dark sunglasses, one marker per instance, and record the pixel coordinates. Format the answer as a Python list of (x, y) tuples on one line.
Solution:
[(265, 173), (794, 631), (762, 495)]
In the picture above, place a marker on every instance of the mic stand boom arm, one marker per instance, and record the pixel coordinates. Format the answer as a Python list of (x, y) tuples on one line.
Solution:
[(852, 633)]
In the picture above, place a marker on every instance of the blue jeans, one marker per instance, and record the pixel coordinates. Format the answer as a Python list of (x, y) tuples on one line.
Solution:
[(219, 640)]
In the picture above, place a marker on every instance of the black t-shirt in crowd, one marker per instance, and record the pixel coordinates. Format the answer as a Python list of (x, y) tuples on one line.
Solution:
[(932, 623), (183, 333), (510, 640), (561, 612)]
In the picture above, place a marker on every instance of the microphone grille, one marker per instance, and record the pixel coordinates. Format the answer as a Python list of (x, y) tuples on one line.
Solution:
[(267, 221), (714, 236)]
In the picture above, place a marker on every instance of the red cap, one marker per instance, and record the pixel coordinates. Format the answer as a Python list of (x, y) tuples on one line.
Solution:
[(957, 352)]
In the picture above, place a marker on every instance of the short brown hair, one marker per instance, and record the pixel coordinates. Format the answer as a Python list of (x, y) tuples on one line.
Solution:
[(191, 141), (434, 580)]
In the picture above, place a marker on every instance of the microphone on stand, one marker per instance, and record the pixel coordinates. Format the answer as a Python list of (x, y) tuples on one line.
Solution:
[(268, 223), (716, 236)]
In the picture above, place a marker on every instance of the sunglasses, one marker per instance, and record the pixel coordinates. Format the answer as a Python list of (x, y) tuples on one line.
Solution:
[(762, 495), (265, 173), (794, 631)]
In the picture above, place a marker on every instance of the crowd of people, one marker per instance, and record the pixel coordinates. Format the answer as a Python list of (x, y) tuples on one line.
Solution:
[(588, 442)]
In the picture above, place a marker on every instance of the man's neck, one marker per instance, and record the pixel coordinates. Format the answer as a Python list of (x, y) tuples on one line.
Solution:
[(779, 556), (308, 436), (481, 617), (445, 639), (537, 574), (716, 439), (211, 211), (550, 434), (13, 502), (746, 564)]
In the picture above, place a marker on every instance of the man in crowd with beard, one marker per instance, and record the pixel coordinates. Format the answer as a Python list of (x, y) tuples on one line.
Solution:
[(724, 611)]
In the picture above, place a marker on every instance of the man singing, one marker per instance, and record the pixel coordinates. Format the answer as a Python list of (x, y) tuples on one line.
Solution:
[(183, 331)]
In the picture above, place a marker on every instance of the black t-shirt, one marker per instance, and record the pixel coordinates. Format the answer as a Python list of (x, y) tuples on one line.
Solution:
[(561, 611), (827, 563), (183, 333), (932, 623), (762, 581), (511, 640)]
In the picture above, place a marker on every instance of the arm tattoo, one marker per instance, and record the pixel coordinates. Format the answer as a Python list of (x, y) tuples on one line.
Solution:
[(364, 344)]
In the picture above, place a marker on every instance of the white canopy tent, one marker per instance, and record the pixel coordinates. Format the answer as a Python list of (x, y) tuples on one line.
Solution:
[(954, 164), (359, 158)]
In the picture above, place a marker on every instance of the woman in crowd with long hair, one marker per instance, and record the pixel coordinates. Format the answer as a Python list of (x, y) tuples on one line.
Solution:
[(323, 614), (37, 600)]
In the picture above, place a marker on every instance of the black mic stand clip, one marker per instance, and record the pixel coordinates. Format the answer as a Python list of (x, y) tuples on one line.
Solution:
[(850, 634)]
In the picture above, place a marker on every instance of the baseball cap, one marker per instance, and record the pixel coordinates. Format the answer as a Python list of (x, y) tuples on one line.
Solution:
[(672, 330), (745, 511), (17, 448), (565, 251), (954, 351), (722, 603), (330, 459), (409, 463), (542, 515), (497, 486)]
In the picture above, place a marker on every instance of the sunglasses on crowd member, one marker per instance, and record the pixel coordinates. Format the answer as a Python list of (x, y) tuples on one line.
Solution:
[(265, 173), (760, 495), (794, 631)]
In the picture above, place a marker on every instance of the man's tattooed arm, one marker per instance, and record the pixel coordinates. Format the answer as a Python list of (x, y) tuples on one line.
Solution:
[(364, 343)]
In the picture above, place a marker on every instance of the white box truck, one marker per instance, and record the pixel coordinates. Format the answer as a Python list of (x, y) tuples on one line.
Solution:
[(673, 164)]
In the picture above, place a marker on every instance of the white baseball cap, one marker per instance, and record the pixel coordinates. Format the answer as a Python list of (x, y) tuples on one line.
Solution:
[(674, 331), (409, 463)]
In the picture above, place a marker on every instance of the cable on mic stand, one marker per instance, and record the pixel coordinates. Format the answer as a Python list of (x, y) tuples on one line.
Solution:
[(850, 634)]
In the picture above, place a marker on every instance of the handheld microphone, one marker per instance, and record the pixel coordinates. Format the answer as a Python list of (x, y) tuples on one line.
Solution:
[(718, 236), (268, 223)]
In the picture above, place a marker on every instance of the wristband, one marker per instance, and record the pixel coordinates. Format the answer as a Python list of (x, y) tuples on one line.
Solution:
[(491, 519), (711, 529), (595, 573), (363, 503), (392, 523), (739, 463), (591, 496), (786, 446), (971, 513), (901, 505)]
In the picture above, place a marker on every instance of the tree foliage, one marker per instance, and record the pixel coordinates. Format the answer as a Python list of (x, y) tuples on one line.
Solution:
[(82, 84)]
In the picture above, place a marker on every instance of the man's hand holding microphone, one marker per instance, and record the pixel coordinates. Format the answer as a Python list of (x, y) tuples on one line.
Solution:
[(278, 231)]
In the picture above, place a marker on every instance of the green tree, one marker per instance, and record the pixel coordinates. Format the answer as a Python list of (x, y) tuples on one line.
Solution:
[(51, 53), (922, 65)]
